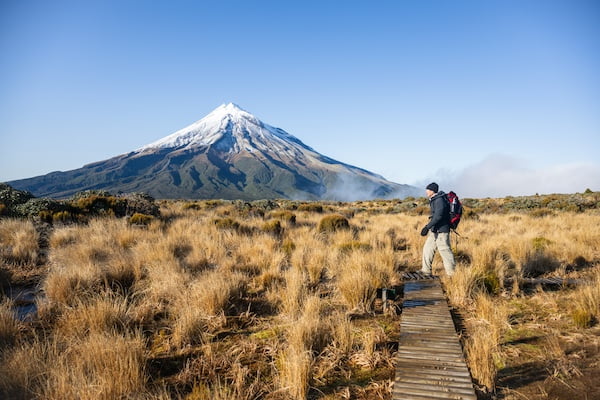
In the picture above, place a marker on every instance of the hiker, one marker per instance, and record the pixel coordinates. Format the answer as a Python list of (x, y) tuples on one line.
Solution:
[(437, 231)]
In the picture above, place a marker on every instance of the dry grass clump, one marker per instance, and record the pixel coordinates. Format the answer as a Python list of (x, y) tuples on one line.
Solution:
[(294, 365), (333, 223), (272, 227), (140, 219), (201, 304), (311, 207), (284, 215), (586, 299), (9, 326), (99, 366), (18, 242), (359, 280), (96, 315), (485, 330)]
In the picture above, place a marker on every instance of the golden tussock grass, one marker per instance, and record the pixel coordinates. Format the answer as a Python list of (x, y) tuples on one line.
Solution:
[(9, 325), (18, 242), (97, 366)]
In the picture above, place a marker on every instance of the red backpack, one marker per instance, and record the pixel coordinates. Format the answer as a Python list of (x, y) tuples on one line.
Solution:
[(456, 209)]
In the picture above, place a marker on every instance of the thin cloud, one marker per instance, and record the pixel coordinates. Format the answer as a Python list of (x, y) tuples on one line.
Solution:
[(500, 175)]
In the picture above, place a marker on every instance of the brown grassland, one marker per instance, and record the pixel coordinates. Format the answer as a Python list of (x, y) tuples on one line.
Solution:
[(213, 300)]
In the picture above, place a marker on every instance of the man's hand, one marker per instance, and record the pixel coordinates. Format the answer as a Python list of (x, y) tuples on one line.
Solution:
[(424, 231)]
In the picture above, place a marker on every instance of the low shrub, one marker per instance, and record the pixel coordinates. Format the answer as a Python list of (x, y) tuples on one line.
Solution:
[(140, 219), (491, 282), (540, 212), (34, 206), (3, 209), (333, 223), (311, 207), (540, 243), (100, 204), (11, 197), (141, 203), (63, 216)]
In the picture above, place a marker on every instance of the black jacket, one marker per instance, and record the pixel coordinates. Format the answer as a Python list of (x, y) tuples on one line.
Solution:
[(440, 213)]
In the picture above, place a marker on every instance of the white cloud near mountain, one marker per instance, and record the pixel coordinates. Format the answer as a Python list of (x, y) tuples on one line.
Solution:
[(500, 175)]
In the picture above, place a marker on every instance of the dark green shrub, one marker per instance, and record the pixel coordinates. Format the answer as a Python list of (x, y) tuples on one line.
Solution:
[(63, 216), (540, 243), (46, 216), (491, 282), (140, 203), (10, 196), (332, 223), (311, 207), (34, 206), (140, 219), (99, 204)]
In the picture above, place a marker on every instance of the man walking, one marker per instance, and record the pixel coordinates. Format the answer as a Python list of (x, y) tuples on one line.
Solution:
[(437, 231)]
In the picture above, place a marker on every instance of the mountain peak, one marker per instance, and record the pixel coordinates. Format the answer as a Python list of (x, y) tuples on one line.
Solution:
[(207, 130), (229, 108)]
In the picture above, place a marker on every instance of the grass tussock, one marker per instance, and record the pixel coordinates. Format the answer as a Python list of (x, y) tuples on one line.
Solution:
[(9, 325), (333, 223), (18, 242)]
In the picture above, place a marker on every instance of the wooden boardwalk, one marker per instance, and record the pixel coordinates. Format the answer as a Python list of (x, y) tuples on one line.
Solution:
[(430, 362)]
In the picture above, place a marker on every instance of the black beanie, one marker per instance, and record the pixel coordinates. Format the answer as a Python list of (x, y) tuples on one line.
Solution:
[(433, 187)]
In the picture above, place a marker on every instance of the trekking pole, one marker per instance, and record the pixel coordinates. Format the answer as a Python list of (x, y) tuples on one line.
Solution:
[(456, 243)]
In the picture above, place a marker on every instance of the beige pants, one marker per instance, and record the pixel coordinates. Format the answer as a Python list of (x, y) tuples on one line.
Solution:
[(441, 242)]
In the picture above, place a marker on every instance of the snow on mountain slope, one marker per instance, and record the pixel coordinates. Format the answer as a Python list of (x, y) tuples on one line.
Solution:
[(232, 130), (249, 133)]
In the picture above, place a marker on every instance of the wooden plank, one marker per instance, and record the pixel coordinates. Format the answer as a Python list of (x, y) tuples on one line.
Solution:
[(461, 390), (429, 363), (431, 394), (433, 379)]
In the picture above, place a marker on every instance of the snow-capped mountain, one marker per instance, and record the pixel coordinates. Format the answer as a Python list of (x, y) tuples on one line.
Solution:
[(228, 154)]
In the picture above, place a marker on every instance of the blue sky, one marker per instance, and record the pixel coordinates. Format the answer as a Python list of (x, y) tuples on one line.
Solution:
[(490, 98)]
